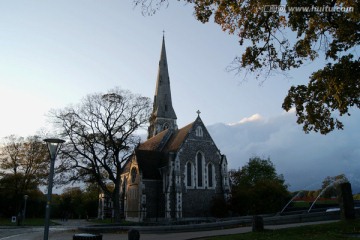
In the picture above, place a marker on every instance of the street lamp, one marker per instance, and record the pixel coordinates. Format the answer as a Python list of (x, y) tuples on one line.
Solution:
[(25, 198), (54, 145)]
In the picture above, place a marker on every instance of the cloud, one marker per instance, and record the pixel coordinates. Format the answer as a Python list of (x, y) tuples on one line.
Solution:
[(304, 159), (254, 118)]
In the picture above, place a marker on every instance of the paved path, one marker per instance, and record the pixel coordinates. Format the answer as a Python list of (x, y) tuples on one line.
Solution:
[(68, 229)]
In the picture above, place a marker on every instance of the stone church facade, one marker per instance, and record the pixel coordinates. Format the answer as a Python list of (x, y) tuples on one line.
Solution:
[(176, 173)]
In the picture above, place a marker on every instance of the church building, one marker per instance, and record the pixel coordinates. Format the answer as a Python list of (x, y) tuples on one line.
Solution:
[(175, 173)]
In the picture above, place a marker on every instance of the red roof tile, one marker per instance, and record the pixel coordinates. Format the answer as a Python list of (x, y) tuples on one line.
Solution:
[(152, 143), (173, 144), (178, 138)]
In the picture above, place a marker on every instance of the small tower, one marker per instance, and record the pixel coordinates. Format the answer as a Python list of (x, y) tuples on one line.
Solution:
[(163, 115)]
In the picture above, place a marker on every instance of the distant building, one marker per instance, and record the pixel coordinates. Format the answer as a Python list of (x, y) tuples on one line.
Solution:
[(176, 173)]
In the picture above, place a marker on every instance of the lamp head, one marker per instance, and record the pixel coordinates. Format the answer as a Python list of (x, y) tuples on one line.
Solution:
[(54, 145)]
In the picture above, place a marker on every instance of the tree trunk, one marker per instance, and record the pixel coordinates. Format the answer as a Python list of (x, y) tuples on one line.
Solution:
[(116, 201)]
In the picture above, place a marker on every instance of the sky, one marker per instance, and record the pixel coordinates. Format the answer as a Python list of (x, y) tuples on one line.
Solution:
[(53, 53), (305, 160)]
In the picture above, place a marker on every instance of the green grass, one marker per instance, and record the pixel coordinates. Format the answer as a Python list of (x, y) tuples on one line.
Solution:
[(306, 204), (336, 230), (301, 204), (27, 222)]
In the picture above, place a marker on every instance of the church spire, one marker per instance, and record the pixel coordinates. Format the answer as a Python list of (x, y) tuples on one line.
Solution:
[(163, 115)]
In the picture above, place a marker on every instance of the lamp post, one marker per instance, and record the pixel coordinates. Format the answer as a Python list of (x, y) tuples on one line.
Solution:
[(54, 145), (25, 199)]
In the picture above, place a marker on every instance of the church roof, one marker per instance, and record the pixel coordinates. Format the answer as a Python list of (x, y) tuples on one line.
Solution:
[(178, 138), (167, 140), (153, 143), (152, 155)]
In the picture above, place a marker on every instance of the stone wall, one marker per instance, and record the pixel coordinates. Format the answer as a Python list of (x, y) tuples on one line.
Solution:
[(155, 202), (133, 194), (196, 201), (132, 201)]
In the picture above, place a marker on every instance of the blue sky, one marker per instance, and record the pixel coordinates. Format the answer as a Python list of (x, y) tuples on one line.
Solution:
[(53, 53)]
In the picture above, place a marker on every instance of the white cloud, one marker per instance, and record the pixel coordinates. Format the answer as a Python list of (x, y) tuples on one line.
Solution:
[(254, 118), (304, 159)]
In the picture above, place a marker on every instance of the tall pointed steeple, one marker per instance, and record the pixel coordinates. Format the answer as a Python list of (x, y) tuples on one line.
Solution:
[(163, 115)]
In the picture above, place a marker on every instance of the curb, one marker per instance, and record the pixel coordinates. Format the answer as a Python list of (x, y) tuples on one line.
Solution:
[(268, 220)]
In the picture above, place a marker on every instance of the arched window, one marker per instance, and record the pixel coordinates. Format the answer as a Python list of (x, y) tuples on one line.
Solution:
[(210, 175), (189, 174), (133, 174), (199, 131), (199, 161)]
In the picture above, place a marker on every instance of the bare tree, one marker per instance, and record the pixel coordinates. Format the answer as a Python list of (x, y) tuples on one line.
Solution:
[(99, 134)]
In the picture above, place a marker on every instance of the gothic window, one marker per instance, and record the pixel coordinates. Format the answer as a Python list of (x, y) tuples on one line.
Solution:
[(165, 126), (133, 174), (210, 175), (188, 174), (199, 161), (199, 131)]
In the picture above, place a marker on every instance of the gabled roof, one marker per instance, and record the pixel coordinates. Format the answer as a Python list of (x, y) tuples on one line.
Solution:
[(178, 138), (153, 143), (167, 140), (152, 155)]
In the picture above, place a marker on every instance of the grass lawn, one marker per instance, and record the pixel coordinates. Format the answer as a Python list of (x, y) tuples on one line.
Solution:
[(27, 222), (336, 230), (307, 204)]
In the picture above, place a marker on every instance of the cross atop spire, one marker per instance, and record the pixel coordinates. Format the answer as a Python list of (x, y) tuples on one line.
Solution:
[(198, 113)]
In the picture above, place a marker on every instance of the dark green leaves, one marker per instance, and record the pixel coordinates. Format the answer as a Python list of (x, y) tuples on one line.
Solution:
[(257, 188), (331, 90), (281, 35)]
